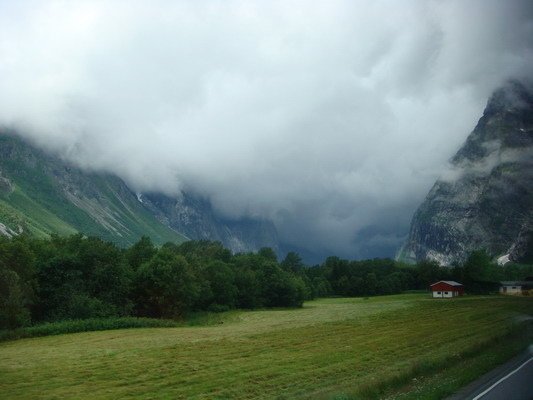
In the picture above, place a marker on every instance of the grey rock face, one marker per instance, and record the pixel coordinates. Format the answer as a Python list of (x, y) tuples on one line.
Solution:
[(485, 200), (195, 218), (6, 187), (522, 248)]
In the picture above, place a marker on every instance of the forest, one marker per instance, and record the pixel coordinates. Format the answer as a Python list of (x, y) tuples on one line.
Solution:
[(78, 277)]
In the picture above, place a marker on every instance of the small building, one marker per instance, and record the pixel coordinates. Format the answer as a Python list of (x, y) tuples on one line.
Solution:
[(517, 288), (447, 289)]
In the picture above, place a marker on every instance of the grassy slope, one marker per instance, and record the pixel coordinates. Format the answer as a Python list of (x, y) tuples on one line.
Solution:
[(36, 218), (39, 201), (329, 347), (138, 220)]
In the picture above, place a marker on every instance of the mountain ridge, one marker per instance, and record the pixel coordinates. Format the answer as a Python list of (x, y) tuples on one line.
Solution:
[(42, 194), (485, 200)]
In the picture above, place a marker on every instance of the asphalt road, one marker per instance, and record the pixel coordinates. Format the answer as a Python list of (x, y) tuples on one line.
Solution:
[(511, 381)]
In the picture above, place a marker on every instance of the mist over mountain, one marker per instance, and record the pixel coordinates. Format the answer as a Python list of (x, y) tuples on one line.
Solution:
[(331, 120), (40, 195), (485, 199)]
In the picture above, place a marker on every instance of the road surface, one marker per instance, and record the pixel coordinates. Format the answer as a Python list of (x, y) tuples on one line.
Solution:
[(511, 381)]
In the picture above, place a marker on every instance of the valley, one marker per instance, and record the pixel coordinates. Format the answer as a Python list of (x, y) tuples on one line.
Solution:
[(331, 348), (241, 200)]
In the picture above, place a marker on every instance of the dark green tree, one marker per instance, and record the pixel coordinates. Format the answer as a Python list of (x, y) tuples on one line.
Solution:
[(429, 272), (165, 286), (292, 262), (480, 273), (224, 292), (371, 283), (140, 252), (17, 281), (268, 254), (14, 310)]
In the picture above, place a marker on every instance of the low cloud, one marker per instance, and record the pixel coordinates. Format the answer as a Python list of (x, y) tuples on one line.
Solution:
[(481, 167), (333, 119)]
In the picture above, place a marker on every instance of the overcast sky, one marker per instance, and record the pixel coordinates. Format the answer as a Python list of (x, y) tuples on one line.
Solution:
[(332, 118)]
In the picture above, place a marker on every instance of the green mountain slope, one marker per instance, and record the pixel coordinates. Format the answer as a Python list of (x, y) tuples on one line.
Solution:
[(42, 194)]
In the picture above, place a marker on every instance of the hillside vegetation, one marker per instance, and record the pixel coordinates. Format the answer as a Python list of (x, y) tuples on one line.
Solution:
[(75, 277), (330, 348), (193, 339), (41, 194)]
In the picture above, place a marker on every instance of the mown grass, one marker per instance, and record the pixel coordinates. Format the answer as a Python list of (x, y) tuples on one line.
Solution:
[(327, 349), (434, 379)]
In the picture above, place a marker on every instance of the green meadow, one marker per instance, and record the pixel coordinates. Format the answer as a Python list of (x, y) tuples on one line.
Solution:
[(402, 346)]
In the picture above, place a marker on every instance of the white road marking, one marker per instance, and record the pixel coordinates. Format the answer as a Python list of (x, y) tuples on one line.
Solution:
[(501, 380)]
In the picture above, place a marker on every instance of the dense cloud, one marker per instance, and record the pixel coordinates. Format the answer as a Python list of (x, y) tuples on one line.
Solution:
[(332, 118)]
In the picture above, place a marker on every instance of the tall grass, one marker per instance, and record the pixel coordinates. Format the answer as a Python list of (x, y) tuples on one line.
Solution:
[(201, 318), (197, 318), (85, 325)]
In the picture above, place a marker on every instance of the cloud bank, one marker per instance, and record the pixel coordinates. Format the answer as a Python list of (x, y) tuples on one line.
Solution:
[(331, 118)]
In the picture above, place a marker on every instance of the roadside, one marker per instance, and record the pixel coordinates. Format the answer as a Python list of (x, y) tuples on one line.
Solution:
[(458, 376), (512, 380)]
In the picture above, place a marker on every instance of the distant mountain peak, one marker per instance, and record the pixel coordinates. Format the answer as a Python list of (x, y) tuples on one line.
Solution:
[(486, 199), (514, 95)]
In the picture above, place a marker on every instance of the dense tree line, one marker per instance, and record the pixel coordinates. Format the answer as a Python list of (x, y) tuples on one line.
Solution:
[(77, 277), (361, 278), (479, 274)]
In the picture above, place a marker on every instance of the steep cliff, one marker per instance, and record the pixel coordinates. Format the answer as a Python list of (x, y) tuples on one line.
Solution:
[(195, 218), (485, 200)]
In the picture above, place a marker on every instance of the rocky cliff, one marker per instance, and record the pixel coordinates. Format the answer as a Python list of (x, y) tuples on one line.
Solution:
[(42, 194), (485, 200), (194, 217)]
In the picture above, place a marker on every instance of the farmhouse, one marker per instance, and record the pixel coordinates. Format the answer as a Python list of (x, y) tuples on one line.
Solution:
[(517, 288), (447, 289)]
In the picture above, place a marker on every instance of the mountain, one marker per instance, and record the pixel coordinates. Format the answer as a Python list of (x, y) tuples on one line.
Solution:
[(485, 200), (194, 217), (42, 194)]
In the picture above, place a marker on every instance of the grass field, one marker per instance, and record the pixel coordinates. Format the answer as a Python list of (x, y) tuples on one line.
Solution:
[(331, 348)]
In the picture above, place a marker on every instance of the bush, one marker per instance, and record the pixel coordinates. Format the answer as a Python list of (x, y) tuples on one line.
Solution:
[(13, 311), (85, 325)]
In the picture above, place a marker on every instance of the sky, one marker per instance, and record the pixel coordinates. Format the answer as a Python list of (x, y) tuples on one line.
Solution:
[(331, 118)]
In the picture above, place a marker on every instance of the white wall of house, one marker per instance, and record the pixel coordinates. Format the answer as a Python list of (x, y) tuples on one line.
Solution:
[(511, 290), (443, 294)]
